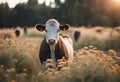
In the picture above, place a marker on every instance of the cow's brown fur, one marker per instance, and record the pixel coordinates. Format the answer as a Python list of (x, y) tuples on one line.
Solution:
[(60, 51)]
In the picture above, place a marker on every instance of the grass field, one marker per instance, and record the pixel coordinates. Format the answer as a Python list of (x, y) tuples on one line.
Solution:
[(96, 57)]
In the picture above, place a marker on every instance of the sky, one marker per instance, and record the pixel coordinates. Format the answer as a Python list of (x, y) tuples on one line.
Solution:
[(12, 3)]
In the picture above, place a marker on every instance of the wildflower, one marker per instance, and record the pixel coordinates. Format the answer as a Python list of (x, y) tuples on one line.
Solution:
[(49, 60), (13, 81), (6, 75), (60, 60), (40, 73), (50, 70), (23, 74), (15, 60), (8, 70), (48, 73), (2, 36), (59, 67), (62, 63), (112, 53), (85, 48), (95, 48), (2, 66), (49, 65), (10, 41), (57, 72), (17, 75), (65, 69), (13, 69), (25, 70), (90, 47)]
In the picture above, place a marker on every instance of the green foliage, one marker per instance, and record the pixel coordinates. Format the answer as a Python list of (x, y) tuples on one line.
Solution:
[(4, 14), (76, 13)]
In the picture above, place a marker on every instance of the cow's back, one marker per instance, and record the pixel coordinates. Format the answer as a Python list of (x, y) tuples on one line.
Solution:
[(69, 45)]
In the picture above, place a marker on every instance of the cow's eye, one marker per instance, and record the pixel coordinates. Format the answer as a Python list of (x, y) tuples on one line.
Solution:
[(45, 30), (58, 30)]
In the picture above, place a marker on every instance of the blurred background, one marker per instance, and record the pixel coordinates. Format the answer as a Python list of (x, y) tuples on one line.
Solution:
[(95, 32), (96, 21), (75, 12)]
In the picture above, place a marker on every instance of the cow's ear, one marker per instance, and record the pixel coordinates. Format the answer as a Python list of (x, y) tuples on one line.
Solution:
[(40, 27), (64, 27)]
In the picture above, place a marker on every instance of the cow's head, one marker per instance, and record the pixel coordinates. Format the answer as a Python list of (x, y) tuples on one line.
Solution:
[(52, 28)]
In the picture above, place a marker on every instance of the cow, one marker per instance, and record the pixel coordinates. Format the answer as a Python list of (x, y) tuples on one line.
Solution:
[(54, 46), (17, 32), (25, 30), (76, 35)]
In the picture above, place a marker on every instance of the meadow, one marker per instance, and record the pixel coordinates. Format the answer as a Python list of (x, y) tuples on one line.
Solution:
[(96, 57)]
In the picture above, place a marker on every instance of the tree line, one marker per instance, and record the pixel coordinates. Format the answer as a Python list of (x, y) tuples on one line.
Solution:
[(73, 12)]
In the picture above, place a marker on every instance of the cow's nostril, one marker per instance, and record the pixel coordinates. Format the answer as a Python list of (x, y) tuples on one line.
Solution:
[(51, 41)]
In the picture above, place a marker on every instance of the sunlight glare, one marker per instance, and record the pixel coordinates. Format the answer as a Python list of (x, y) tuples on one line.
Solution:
[(12, 3), (62, 1), (118, 0), (47, 2), (40, 1)]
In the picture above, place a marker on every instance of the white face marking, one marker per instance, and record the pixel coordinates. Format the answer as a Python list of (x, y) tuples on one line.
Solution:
[(52, 28)]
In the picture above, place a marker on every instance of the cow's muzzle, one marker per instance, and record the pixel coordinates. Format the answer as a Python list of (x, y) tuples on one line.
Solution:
[(51, 41)]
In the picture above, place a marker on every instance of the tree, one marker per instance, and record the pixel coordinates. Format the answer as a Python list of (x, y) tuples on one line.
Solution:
[(74, 12), (32, 2), (4, 15)]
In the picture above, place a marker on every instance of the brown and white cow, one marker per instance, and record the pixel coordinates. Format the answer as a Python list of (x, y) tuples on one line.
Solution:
[(55, 45)]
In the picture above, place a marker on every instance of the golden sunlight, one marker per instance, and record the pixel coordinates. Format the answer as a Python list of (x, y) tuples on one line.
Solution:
[(114, 3), (118, 0)]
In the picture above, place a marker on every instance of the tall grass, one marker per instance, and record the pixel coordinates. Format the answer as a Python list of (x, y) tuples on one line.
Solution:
[(103, 39), (19, 59), (90, 65), (20, 63)]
